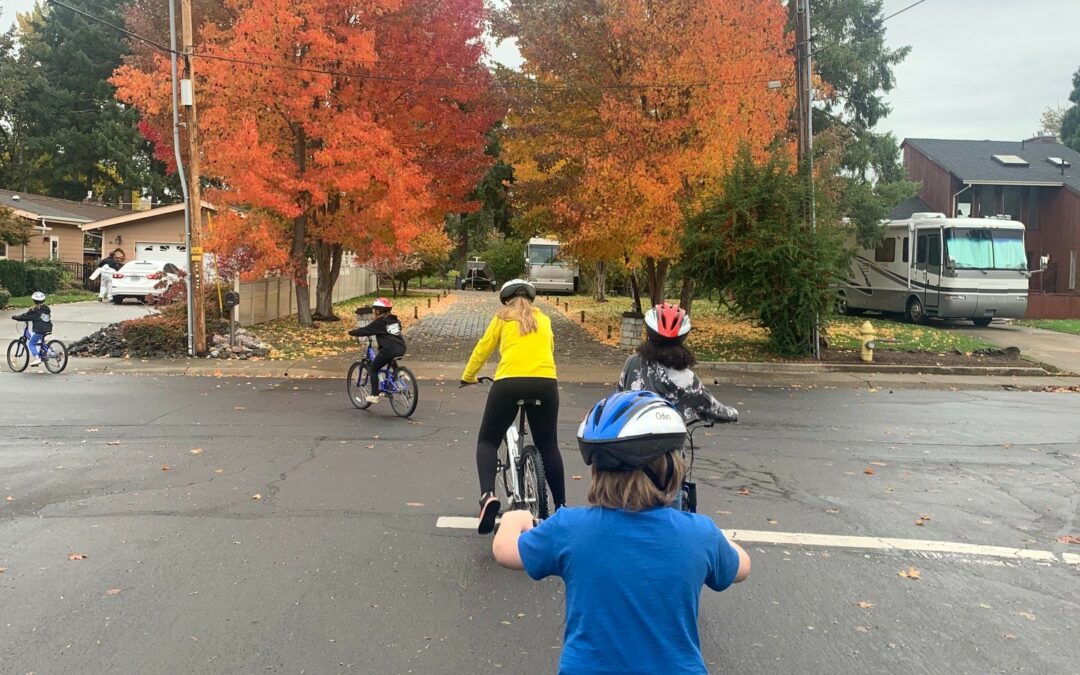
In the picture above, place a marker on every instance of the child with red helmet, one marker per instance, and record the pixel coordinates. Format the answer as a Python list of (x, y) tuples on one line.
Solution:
[(387, 331), (662, 364)]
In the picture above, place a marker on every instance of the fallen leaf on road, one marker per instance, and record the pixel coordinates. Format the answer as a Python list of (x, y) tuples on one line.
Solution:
[(879, 463), (869, 471), (9, 498), (76, 556), (911, 573), (90, 431), (219, 470), (773, 521), (723, 513), (256, 496), (3, 569), (239, 407), (576, 477), (505, 623), (370, 447), (114, 442), (1006, 445), (196, 451), (113, 591), (414, 503), (832, 509), (864, 604), (1064, 539), (1027, 615), (1009, 636), (217, 372), (744, 491), (923, 518), (165, 467), (862, 629)]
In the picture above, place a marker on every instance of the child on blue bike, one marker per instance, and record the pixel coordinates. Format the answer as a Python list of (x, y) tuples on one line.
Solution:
[(40, 318), (633, 568), (387, 331)]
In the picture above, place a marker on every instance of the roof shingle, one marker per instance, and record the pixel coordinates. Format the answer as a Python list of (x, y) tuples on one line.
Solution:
[(53, 207), (974, 160)]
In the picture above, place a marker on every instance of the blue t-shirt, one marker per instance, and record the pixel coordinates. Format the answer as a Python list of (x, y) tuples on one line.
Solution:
[(633, 582)]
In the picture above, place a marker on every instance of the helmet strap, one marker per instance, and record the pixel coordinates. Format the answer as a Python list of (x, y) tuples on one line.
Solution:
[(670, 471)]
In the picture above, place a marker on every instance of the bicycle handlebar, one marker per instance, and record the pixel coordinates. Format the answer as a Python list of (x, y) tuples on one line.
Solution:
[(483, 378)]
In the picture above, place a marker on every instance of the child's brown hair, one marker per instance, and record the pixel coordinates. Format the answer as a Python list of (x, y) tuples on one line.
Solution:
[(634, 490)]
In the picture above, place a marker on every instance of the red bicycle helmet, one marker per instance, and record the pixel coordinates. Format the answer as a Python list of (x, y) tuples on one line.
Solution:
[(382, 302), (667, 324)]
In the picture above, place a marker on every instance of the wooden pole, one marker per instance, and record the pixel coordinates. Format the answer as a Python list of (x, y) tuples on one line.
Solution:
[(194, 188)]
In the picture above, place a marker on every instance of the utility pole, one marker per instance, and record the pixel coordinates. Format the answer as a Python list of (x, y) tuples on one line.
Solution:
[(805, 93), (187, 95)]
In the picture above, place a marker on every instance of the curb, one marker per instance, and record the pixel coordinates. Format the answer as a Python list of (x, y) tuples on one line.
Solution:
[(816, 368)]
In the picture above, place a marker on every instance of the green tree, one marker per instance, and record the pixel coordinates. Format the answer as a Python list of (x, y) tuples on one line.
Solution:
[(507, 259), (78, 138), (753, 245), (1070, 123), (13, 229), (13, 169), (476, 230)]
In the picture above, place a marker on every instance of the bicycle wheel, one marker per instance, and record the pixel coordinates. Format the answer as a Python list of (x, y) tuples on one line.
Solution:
[(357, 384), (504, 482), (533, 483), (405, 394), (18, 356), (56, 359)]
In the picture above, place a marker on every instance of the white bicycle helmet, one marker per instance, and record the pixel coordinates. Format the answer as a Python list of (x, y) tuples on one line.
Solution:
[(516, 287), (38, 296)]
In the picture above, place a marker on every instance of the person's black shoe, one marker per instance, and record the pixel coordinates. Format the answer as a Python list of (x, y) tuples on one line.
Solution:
[(489, 511)]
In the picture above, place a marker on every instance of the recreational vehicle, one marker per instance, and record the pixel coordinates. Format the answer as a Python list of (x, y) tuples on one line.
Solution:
[(933, 266), (546, 270)]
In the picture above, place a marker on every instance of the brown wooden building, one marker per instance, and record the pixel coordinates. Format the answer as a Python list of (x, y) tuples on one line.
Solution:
[(1036, 181), (55, 225)]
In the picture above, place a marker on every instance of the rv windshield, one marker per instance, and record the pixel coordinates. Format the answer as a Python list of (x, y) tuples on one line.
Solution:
[(543, 254), (986, 249)]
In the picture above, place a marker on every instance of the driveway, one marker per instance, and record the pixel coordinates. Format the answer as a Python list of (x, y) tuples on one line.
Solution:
[(1061, 350), (76, 320)]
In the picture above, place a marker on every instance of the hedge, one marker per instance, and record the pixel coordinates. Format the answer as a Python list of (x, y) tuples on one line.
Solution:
[(4, 297), (13, 276), (35, 275)]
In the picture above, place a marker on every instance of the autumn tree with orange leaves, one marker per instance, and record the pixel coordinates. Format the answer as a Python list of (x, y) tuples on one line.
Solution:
[(627, 115), (330, 126)]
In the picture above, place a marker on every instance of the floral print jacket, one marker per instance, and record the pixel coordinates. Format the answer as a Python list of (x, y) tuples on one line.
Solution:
[(680, 387)]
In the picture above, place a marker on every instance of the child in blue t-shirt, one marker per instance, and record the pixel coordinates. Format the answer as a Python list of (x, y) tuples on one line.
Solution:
[(633, 569)]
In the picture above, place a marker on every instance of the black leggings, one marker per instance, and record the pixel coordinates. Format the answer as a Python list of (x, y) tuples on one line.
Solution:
[(501, 413), (382, 358)]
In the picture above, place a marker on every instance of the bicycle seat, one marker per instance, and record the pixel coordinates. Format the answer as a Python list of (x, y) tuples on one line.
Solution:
[(528, 401)]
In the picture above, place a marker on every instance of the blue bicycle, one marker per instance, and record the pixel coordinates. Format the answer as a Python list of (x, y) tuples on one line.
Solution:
[(396, 382), (52, 353)]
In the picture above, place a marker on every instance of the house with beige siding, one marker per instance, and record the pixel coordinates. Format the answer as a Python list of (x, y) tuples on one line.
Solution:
[(56, 231), (155, 234)]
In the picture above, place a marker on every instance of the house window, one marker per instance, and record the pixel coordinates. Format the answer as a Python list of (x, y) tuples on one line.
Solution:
[(1031, 221), (987, 202), (906, 244), (963, 204), (886, 252), (1072, 270), (54, 248), (1013, 198)]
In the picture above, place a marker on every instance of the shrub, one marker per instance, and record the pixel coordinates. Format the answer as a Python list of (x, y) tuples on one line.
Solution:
[(45, 279), (4, 297), (507, 259), (161, 335), (13, 277)]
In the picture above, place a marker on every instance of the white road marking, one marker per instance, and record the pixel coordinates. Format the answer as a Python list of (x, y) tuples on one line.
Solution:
[(844, 541)]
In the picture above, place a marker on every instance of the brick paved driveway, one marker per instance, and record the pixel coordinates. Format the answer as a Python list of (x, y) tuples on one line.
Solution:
[(449, 337)]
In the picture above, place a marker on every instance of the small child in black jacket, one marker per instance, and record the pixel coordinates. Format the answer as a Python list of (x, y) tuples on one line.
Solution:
[(387, 331), (40, 318)]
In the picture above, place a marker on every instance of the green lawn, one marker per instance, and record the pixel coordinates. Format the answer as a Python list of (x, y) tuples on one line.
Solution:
[(24, 301), (1060, 325)]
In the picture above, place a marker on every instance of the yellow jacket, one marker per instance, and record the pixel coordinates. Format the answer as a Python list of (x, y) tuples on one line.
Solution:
[(531, 355)]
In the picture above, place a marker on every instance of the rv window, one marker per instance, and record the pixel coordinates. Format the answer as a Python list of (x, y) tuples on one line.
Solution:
[(887, 251), (934, 252), (920, 250), (906, 243)]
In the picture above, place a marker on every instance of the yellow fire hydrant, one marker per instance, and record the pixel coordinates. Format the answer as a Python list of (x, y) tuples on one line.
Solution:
[(869, 336)]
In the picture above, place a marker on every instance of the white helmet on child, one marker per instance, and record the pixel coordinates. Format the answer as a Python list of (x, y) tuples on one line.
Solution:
[(38, 296)]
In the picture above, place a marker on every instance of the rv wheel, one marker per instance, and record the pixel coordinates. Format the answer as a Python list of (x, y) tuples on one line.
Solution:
[(842, 306), (915, 311), (982, 321)]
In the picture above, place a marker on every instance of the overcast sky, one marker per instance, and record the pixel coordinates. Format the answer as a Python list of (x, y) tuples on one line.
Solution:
[(978, 69)]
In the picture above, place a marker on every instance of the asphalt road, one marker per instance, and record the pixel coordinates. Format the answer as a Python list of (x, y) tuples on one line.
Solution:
[(75, 320), (338, 566)]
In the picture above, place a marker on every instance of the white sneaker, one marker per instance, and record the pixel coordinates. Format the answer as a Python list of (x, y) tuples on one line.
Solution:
[(35, 362), (372, 399)]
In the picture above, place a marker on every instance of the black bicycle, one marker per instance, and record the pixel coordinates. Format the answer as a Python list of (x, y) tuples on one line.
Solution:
[(688, 492), (519, 469), (52, 353)]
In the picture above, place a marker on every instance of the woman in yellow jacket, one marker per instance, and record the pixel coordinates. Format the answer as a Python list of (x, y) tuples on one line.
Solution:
[(522, 333)]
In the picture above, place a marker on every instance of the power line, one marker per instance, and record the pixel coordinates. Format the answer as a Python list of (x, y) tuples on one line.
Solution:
[(103, 22)]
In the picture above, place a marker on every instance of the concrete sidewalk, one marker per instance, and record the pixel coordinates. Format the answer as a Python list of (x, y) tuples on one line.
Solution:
[(740, 374), (1061, 350)]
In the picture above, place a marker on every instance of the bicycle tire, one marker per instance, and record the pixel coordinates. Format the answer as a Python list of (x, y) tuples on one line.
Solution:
[(357, 385), (504, 485), (57, 359), (406, 392), (534, 482), (18, 356)]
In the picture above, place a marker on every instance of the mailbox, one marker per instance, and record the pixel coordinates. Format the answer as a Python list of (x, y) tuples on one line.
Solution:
[(232, 299)]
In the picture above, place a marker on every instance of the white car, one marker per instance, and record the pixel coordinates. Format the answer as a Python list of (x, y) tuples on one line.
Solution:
[(140, 278)]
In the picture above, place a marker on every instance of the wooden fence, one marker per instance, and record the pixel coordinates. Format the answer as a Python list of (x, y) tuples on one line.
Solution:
[(275, 297)]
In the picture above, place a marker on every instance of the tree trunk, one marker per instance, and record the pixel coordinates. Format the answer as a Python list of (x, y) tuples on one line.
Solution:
[(328, 257), (656, 276), (687, 295), (600, 292), (298, 252), (405, 286)]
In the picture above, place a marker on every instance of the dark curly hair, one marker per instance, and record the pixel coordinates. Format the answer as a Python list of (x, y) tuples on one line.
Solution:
[(671, 355)]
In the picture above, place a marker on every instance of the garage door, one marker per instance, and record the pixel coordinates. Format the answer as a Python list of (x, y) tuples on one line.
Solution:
[(170, 253)]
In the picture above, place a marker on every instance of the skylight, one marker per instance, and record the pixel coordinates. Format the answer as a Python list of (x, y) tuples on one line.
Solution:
[(1059, 162), (1010, 160)]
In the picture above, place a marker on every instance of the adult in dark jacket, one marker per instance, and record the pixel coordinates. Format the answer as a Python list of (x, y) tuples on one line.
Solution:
[(386, 328), (112, 263), (40, 318)]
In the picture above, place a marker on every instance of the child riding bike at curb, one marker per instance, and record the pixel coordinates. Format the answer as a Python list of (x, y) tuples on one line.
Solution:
[(40, 318), (522, 334), (386, 328), (633, 568)]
